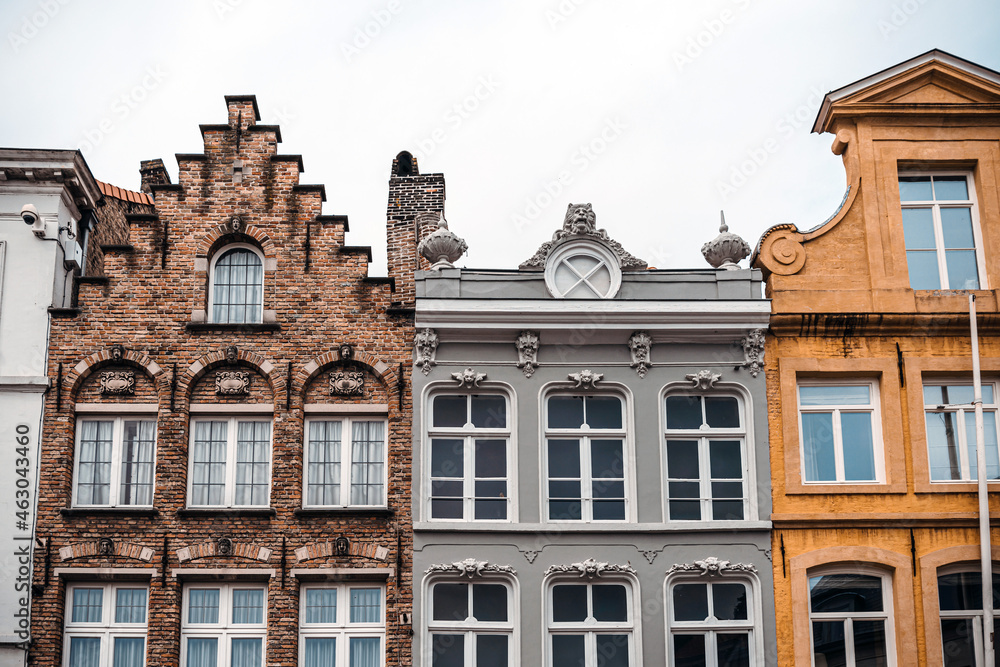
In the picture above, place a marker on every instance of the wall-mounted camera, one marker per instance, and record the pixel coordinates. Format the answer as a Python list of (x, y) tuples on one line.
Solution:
[(31, 217)]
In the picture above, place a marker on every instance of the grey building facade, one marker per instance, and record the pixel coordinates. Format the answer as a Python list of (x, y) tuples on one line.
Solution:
[(590, 469)]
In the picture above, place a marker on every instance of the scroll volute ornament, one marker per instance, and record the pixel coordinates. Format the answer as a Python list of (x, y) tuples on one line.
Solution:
[(782, 252)]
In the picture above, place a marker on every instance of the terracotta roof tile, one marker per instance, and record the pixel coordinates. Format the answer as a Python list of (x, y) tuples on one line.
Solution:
[(116, 192)]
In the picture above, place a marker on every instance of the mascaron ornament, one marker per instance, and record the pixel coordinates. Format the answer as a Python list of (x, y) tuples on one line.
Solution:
[(425, 344), (753, 348), (703, 380), (711, 566), (527, 352), (442, 247), (470, 567), (585, 379), (590, 568), (468, 378), (726, 250), (639, 346)]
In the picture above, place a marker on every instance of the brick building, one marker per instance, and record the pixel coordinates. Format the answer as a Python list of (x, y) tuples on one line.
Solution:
[(226, 465)]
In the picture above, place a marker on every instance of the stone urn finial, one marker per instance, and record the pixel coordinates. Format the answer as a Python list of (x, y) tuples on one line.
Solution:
[(442, 247), (726, 250)]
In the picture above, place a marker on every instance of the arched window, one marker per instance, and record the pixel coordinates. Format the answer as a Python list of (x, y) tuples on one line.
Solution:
[(471, 623), (712, 622), (960, 596), (850, 611), (237, 289), (591, 624)]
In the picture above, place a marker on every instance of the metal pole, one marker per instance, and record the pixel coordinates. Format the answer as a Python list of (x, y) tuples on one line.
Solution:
[(985, 554)]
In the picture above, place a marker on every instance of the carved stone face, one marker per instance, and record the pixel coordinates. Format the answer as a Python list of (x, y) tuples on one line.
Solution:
[(117, 352), (231, 354), (346, 352), (580, 219)]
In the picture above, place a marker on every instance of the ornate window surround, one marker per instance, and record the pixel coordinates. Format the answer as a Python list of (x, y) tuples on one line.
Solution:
[(583, 246), (210, 296)]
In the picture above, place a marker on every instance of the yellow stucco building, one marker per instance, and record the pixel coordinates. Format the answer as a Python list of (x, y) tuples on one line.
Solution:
[(869, 376)]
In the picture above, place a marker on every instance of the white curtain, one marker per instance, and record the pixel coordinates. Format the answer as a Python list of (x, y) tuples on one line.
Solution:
[(129, 651), (137, 463), (248, 606), (208, 473), (246, 652), (202, 652), (252, 452), (368, 463), (365, 652), (321, 605), (203, 605), (321, 652), (366, 605), (130, 605), (324, 463), (88, 605), (94, 476), (84, 652)]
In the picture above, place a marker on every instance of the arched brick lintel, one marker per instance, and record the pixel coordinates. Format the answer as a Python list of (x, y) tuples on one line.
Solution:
[(87, 366), (384, 371), (187, 380)]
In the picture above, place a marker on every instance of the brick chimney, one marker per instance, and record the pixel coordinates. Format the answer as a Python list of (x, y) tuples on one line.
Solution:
[(153, 173), (415, 204)]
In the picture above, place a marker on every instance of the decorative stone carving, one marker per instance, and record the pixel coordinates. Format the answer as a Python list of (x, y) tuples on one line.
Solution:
[(425, 343), (118, 382), (639, 345), (527, 352), (585, 379), (232, 383), (346, 352), (590, 568), (442, 247), (651, 555), (342, 546), (753, 348), (712, 566), (703, 380), (117, 353), (468, 378), (347, 383), (224, 546), (105, 547), (232, 354), (726, 250), (236, 223), (581, 222), (470, 567), (530, 555)]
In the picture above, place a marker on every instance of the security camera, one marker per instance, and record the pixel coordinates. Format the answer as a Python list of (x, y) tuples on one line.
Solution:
[(29, 214)]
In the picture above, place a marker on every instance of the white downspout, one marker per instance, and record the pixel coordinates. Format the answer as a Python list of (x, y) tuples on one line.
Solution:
[(985, 554)]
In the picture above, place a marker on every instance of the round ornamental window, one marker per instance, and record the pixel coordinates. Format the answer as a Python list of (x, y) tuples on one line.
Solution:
[(582, 270)]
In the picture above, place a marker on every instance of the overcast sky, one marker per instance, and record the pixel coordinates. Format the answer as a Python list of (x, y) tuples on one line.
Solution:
[(658, 113)]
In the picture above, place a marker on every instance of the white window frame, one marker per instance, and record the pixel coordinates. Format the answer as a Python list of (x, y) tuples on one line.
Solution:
[(960, 410), (117, 445), (743, 433), (711, 628), (596, 251), (211, 280), (975, 615), (225, 630), (346, 460), (107, 630), (590, 627), (585, 435), (470, 627), (342, 629), (232, 431), (887, 613), (469, 434), (874, 409), (936, 205)]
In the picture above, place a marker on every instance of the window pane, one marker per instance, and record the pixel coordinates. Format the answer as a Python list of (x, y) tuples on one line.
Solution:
[(87, 605), (817, 446), (203, 605), (94, 471), (956, 226), (565, 411), (942, 446), (324, 463), (869, 643), (568, 651), (365, 651), (963, 270), (237, 296), (730, 602), (130, 605), (569, 603), (957, 640), (610, 603), (253, 445), (248, 606), (450, 411), (726, 459), (606, 489), (835, 395), (565, 510), (85, 652), (722, 412), (915, 188), (489, 412), (446, 509), (138, 441), (366, 605), (447, 650), (733, 650), (487, 510), (682, 459), (489, 602), (321, 652), (689, 651), (727, 510), (492, 651), (685, 510), (491, 458), (829, 643), (564, 458), (208, 467), (613, 649), (447, 457), (923, 269), (961, 591), (607, 459), (918, 229), (129, 652), (843, 593), (202, 652), (690, 602), (859, 448), (321, 605), (491, 490), (950, 188), (246, 652), (451, 602), (989, 440), (683, 412), (368, 463), (604, 412)]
